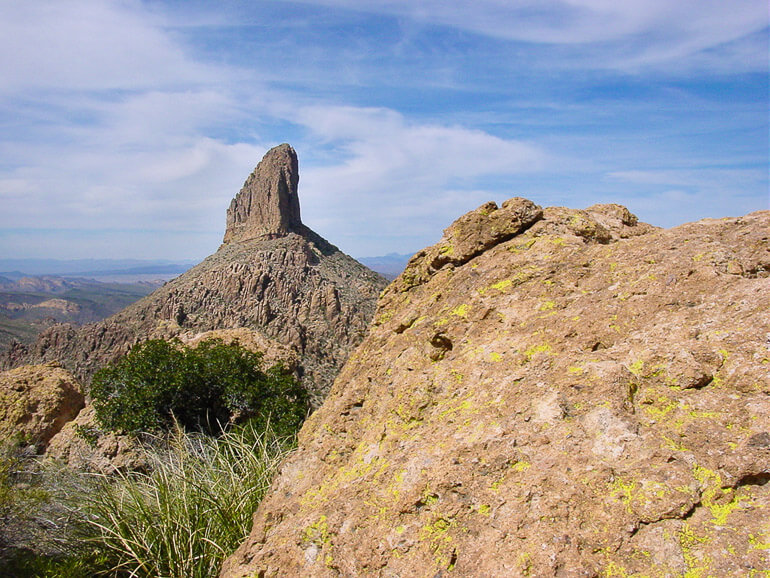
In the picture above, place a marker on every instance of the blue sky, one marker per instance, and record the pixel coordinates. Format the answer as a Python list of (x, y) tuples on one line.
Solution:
[(126, 127)]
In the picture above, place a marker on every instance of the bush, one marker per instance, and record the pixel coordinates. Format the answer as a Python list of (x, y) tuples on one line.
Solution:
[(202, 388)]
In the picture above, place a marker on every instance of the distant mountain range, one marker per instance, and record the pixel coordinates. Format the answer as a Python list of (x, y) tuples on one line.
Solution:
[(124, 270), (133, 270), (389, 266)]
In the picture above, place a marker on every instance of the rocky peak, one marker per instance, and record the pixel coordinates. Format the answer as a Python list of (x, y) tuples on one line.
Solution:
[(272, 279), (268, 205)]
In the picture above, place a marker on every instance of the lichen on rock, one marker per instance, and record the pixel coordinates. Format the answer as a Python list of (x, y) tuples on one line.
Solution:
[(36, 402), (587, 395)]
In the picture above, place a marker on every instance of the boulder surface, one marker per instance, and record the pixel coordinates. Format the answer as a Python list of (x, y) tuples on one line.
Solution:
[(547, 392), (36, 402)]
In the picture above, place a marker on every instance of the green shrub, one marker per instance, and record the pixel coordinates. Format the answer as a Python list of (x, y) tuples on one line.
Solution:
[(202, 388)]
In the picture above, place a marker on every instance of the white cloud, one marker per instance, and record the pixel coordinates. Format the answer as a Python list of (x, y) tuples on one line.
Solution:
[(627, 33), (90, 45), (385, 163)]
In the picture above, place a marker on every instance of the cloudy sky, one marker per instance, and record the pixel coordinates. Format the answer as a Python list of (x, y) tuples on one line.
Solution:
[(127, 126)]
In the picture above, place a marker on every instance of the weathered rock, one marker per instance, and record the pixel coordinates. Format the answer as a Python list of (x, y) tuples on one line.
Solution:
[(273, 352), (36, 402), (83, 446), (268, 205), (273, 276), (588, 397)]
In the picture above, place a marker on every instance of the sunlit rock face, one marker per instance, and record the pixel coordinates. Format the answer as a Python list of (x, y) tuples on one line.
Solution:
[(268, 204), (544, 392)]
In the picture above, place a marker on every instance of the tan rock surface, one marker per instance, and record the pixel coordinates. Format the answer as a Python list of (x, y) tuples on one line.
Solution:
[(588, 397), (35, 403), (78, 445)]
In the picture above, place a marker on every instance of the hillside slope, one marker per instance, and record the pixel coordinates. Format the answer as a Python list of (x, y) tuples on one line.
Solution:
[(548, 393)]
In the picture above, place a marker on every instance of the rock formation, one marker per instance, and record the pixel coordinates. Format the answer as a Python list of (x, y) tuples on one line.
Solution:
[(267, 206), (36, 402), (272, 277), (547, 392)]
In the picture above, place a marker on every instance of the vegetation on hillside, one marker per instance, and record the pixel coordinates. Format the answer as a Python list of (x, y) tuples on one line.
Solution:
[(202, 389), (214, 428), (180, 519)]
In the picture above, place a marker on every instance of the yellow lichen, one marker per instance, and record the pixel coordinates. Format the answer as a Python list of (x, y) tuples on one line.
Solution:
[(636, 367), (536, 349), (460, 310)]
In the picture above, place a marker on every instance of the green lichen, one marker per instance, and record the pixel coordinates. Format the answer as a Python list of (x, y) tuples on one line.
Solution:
[(536, 349), (760, 541), (688, 540), (714, 497), (501, 285)]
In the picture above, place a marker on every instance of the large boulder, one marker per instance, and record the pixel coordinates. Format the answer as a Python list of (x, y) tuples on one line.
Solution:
[(583, 395), (36, 401)]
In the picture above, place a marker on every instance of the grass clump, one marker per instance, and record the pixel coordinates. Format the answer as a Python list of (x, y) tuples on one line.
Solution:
[(191, 511), (181, 518)]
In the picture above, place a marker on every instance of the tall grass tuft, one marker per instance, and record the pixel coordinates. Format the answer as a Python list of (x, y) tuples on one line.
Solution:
[(191, 510)]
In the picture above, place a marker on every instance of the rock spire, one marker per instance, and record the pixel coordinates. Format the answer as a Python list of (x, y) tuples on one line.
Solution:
[(267, 206)]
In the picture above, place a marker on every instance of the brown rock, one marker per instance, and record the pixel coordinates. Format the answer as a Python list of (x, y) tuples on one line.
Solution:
[(83, 446), (36, 402), (268, 204), (590, 396)]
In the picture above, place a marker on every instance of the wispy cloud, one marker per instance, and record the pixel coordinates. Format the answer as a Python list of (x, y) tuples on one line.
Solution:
[(389, 174), (134, 122), (631, 33)]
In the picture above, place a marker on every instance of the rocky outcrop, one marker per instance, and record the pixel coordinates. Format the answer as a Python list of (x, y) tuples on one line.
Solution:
[(272, 276), (268, 205), (36, 402), (553, 393)]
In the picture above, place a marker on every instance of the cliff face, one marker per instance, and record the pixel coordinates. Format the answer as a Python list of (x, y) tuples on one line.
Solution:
[(267, 205), (272, 276), (549, 393)]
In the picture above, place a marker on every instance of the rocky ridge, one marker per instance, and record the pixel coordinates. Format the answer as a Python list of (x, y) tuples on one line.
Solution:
[(272, 276), (544, 392)]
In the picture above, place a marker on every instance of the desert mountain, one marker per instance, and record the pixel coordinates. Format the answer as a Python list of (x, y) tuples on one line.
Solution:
[(272, 276), (547, 392)]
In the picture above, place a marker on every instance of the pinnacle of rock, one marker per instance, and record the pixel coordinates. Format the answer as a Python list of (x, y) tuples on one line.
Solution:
[(267, 206)]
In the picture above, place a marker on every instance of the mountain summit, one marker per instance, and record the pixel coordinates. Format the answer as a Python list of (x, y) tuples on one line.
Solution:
[(273, 283), (268, 204)]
